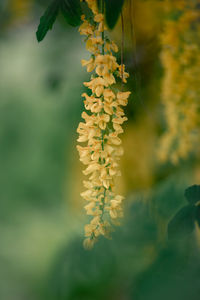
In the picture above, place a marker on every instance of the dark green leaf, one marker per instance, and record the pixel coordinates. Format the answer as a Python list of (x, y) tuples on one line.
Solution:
[(71, 10), (198, 214), (99, 4), (183, 223), (47, 20), (113, 10), (192, 194)]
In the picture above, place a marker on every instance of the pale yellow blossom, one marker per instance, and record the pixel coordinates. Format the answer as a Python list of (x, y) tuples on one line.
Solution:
[(100, 129)]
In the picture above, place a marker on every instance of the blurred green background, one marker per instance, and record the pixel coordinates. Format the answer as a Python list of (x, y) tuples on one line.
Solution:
[(41, 212)]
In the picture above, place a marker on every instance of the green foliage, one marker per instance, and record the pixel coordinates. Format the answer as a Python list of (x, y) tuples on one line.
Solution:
[(113, 10), (198, 214), (192, 194), (167, 198), (105, 271), (133, 265), (70, 9), (80, 274), (38, 129), (39, 116), (182, 223), (174, 275), (47, 20)]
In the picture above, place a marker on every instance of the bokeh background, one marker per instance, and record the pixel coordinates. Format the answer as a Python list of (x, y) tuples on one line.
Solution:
[(41, 211)]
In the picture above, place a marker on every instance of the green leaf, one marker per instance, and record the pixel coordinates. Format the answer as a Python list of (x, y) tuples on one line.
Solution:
[(99, 4), (192, 194), (113, 10), (71, 10), (198, 214), (183, 223), (47, 20)]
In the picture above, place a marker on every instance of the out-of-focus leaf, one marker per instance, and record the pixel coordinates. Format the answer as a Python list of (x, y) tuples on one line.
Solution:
[(82, 274), (47, 20), (198, 214), (113, 10), (171, 276), (99, 4), (182, 223), (71, 10), (192, 194), (175, 15)]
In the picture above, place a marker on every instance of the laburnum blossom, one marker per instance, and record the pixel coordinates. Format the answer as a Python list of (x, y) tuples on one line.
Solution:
[(181, 84), (101, 129)]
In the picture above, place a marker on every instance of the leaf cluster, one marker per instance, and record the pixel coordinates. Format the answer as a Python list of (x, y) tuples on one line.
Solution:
[(72, 11), (183, 223)]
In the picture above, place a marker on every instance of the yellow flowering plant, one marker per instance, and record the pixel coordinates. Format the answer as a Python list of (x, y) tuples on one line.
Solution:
[(101, 128), (104, 103), (181, 84)]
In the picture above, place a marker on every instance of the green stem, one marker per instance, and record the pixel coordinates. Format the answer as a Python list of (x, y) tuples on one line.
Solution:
[(102, 206), (122, 47), (102, 34)]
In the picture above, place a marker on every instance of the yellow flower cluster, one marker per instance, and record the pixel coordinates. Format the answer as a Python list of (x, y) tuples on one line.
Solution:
[(181, 85), (101, 128)]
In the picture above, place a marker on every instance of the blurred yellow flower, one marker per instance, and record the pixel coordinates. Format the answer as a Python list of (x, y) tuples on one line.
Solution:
[(181, 84)]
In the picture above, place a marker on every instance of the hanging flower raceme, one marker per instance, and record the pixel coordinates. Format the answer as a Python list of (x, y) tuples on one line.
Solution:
[(181, 85), (101, 129)]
